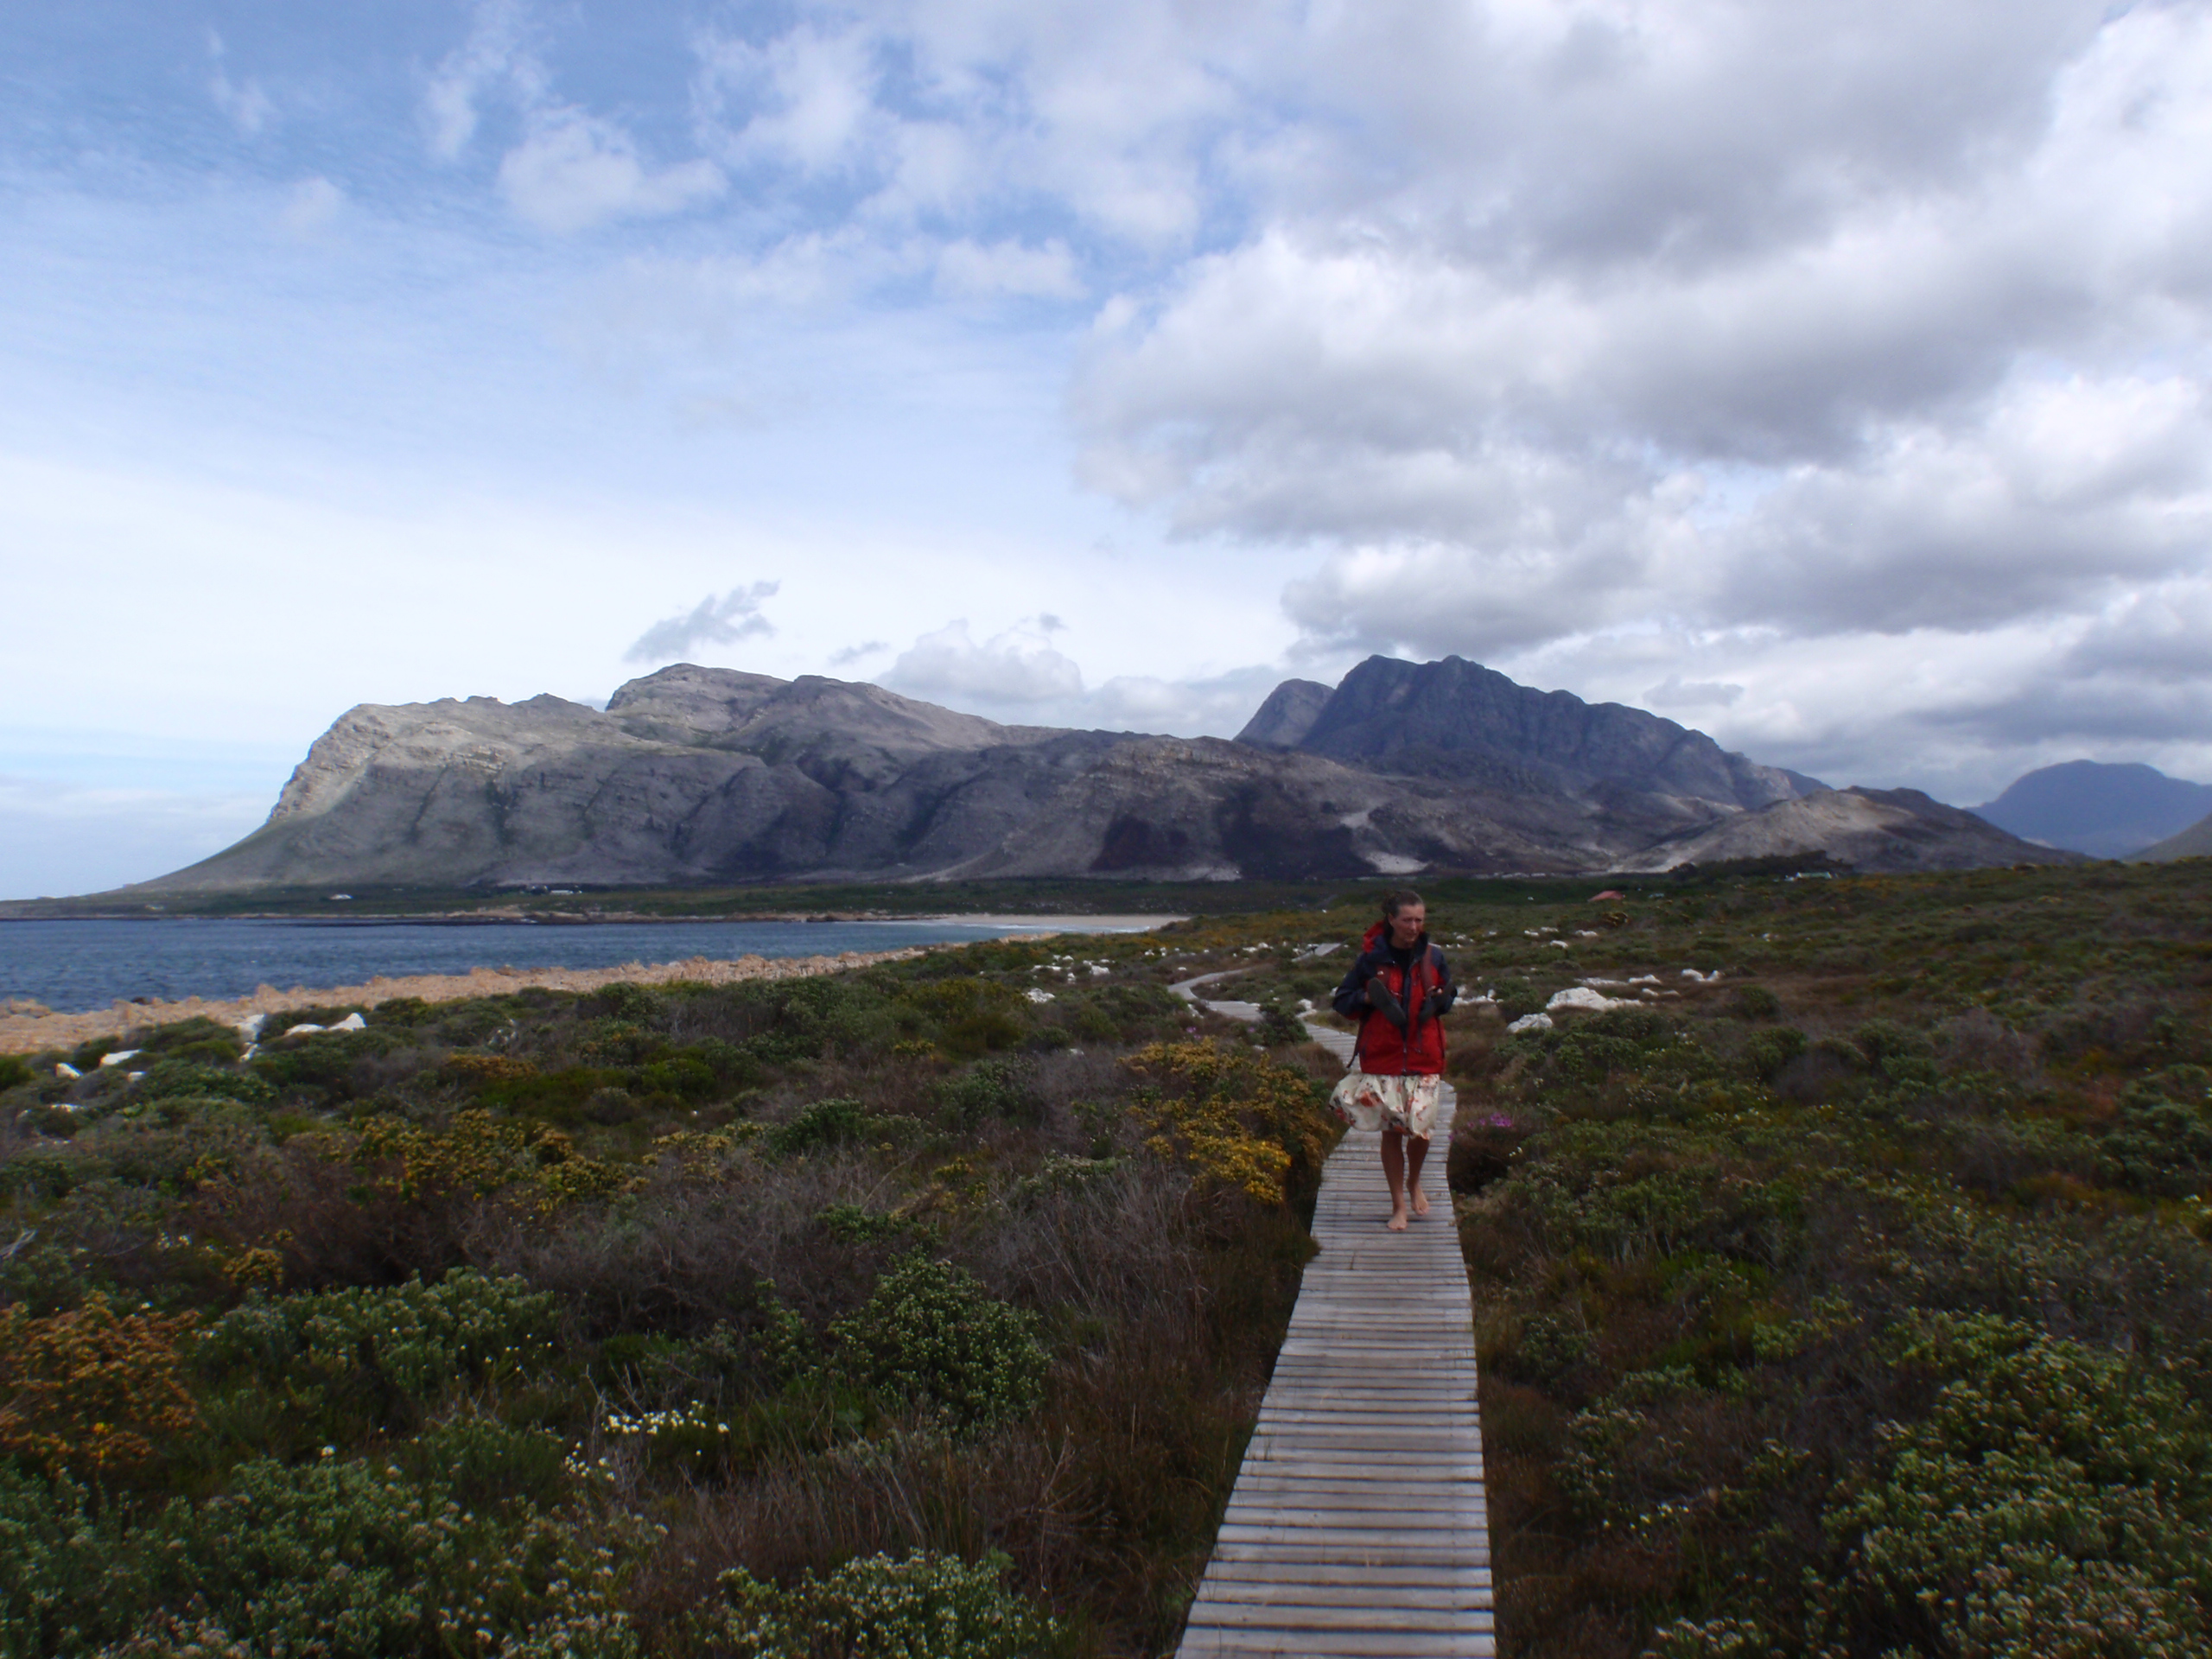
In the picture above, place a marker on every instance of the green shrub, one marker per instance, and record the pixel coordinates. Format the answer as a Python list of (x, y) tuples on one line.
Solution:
[(1769, 1051), (624, 1001), (2054, 1500), (324, 1061), (330, 1558), (2158, 1145), (684, 1075), (355, 1558), (166, 1078), (175, 1143), (927, 1607), (804, 1019), (43, 1172), (990, 1088), (1755, 1002), (834, 1122), (14, 1072), (857, 1224), (415, 1338), (484, 1462), (930, 1336), (61, 1566), (1517, 997)]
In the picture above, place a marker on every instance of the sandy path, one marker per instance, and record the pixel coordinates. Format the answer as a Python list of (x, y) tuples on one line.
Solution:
[(29, 1028)]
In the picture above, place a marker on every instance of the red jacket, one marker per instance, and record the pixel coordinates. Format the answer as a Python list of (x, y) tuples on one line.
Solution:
[(1424, 991)]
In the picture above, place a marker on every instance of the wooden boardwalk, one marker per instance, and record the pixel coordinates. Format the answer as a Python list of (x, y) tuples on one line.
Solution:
[(1358, 1525)]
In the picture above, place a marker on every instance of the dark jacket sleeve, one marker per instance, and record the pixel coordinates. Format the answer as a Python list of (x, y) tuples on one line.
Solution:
[(1446, 989), (1350, 998)]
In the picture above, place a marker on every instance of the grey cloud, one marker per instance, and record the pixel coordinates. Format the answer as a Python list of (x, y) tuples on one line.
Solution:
[(724, 621), (2162, 637), (1676, 692), (851, 654), (1826, 320)]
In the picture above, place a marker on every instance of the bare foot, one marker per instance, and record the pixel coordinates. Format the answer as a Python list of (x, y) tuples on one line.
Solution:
[(1397, 1222), (1421, 1202)]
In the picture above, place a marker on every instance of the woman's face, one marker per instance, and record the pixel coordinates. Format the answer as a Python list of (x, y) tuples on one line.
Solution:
[(1406, 926)]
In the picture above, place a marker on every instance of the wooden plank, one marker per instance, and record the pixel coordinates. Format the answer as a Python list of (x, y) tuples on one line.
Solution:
[(1325, 1615), (1340, 1645)]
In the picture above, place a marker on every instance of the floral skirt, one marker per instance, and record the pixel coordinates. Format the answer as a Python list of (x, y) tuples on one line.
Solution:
[(1369, 1100)]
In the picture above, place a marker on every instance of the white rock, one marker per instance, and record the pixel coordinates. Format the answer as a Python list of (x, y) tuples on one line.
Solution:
[(1037, 995), (250, 1027), (1585, 932), (302, 1031), (352, 1022), (118, 1056), (1559, 944), (1581, 996), (1713, 978), (1098, 970), (1646, 979), (1606, 982), (63, 1068), (1532, 1022), (133, 1076)]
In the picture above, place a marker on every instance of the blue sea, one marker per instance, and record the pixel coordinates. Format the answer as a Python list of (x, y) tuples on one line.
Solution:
[(75, 966)]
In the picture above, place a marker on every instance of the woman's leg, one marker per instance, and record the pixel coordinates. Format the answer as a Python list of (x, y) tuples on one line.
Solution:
[(1393, 1172), (1416, 1155)]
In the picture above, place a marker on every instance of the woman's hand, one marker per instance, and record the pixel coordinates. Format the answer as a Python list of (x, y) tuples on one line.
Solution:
[(1384, 1001)]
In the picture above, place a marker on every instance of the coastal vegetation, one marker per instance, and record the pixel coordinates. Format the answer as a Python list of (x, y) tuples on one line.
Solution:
[(925, 1305), (1841, 1248)]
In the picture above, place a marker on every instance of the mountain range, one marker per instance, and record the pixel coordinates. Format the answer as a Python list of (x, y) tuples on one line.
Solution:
[(2104, 810), (694, 776)]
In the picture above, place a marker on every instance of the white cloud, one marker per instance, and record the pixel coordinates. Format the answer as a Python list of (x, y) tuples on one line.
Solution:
[(312, 206), (249, 107), (1014, 669), (809, 93), (574, 171), (724, 621), (493, 56), (975, 270)]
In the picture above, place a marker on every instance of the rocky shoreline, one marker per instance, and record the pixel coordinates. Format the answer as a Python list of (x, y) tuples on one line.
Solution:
[(30, 1028)]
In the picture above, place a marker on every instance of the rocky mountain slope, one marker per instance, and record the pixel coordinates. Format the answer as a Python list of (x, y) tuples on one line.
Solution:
[(2195, 842), (1889, 830), (702, 775), (2091, 806)]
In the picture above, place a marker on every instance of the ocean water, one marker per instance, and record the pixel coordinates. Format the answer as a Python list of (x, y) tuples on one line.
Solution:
[(75, 966)]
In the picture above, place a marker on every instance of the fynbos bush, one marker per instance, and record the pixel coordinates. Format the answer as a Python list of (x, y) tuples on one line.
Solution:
[(927, 1607), (932, 1337)]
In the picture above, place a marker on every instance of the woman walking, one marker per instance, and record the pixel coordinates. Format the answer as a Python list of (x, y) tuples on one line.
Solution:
[(1397, 991)]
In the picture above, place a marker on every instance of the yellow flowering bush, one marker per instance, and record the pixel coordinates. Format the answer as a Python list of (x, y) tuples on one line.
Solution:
[(1237, 1118), (90, 1391)]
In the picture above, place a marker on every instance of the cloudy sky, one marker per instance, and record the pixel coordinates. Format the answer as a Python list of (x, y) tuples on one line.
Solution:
[(1830, 376)]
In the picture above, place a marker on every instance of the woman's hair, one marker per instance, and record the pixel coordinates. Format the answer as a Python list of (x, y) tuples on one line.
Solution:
[(1399, 899)]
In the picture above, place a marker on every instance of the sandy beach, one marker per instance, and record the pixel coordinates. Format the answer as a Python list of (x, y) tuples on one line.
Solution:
[(29, 1028)]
